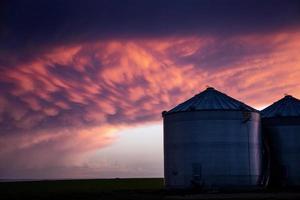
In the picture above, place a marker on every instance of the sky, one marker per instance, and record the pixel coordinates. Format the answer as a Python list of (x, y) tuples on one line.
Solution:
[(83, 83)]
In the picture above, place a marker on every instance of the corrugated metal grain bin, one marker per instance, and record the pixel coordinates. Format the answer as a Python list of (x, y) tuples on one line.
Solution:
[(212, 141), (281, 127)]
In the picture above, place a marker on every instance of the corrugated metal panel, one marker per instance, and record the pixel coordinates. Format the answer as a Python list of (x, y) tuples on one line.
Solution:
[(286, 107), (211, 99), (212, 141), (212, 149), (281, 125)]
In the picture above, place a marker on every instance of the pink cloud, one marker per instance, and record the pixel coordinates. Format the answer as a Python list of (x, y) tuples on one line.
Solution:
[(46, 149), (67, 101)]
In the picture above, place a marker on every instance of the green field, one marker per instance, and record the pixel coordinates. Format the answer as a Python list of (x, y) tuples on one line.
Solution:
[(148, 188), (134, 189)]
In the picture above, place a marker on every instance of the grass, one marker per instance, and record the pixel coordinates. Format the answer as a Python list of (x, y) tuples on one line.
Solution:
[(128, 189), (83, 189)]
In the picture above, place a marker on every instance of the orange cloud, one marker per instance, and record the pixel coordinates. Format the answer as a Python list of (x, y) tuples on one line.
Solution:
[(137, 77), (103, 84), (62, 147)]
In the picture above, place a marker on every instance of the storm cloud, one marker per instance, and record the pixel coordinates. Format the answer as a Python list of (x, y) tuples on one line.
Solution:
[(74, 73), (32, 25)]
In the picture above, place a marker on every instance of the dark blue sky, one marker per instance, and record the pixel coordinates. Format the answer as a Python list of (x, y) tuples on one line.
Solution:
[(32, 23)]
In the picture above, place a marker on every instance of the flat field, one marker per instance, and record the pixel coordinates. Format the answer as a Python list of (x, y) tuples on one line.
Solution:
[(148, 188), (133, 189)]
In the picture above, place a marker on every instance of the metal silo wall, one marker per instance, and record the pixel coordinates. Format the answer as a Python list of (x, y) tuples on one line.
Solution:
[(212, 149), (284, 143)]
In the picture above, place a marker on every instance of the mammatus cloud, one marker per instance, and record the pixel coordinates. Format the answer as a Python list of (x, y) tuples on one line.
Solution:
[(69, 101)]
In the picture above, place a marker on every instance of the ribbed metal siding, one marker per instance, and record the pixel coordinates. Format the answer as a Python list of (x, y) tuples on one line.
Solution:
[(281, 125), (212, 149), (284, 143)]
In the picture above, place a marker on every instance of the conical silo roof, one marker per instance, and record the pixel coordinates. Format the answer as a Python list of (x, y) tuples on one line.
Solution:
[(288, 106), (211, 99)]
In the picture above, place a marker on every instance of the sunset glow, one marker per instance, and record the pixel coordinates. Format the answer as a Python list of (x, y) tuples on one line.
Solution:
[(65, 103)]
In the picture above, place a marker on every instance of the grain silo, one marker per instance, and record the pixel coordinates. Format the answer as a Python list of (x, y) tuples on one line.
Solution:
[(212, 141), (281, 126)]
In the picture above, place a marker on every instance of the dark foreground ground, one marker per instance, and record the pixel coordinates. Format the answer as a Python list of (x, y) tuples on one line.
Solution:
[(134, 189)]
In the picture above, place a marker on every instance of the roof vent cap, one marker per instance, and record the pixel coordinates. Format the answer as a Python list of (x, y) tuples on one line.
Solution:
[(287, 95), (209, 87)]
